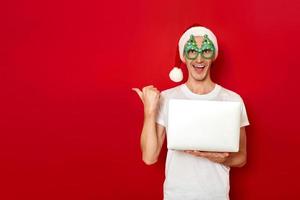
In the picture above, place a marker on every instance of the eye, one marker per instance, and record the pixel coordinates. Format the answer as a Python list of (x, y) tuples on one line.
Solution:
[(191, 54), (207, 53)]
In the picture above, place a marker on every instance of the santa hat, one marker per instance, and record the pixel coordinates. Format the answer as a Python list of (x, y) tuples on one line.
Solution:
[(176, 73)]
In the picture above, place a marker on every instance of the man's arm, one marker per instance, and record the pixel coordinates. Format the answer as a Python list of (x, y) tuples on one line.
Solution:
[(153, 134), (152, 139), (237, 159)]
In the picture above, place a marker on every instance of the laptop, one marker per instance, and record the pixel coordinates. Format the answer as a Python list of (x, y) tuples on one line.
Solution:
[(203, 125)]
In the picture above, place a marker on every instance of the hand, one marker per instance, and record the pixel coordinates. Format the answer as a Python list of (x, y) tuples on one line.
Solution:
[(218, 157), (150, 98)]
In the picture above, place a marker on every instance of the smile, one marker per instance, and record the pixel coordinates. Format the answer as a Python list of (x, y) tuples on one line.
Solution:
[(198, 67)]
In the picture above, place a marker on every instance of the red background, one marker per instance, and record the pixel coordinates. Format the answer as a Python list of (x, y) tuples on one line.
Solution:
[(70, 124)]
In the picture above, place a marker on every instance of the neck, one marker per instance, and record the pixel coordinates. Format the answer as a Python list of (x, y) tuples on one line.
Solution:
[(200, 87)]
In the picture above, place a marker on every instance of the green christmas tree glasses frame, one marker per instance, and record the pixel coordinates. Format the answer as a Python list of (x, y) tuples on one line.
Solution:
[(192, 51)]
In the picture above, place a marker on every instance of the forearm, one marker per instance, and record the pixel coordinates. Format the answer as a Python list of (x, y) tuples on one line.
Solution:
[(149, 139), (239, 159), (236, 160)]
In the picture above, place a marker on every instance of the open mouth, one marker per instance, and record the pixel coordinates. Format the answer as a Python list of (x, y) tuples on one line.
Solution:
[(198, 67)]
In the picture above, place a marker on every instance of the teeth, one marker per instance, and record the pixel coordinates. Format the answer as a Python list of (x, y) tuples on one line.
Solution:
[(200, 65)]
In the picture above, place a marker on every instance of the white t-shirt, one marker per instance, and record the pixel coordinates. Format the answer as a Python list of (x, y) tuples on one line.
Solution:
[(188, 177)]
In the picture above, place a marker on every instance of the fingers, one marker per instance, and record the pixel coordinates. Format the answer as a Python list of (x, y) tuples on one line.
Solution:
[(139, 92), (146, 90), (217, 154), (208, 154), (149, 87)]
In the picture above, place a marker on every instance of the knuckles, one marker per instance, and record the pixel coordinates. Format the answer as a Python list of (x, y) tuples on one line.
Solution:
[(151, 89)]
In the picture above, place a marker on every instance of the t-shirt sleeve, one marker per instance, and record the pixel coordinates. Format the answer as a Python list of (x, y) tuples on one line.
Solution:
[(162, 112), (244, 116)]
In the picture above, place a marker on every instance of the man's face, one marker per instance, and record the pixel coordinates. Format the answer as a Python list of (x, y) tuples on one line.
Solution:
[(199, 68)]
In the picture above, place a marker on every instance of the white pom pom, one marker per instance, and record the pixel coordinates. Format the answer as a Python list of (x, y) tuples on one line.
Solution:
[(176, 74)]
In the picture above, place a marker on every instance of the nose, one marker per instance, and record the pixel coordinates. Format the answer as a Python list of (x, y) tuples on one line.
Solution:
[(199, 58)]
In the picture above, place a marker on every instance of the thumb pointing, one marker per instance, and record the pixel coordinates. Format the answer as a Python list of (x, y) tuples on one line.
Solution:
[(139, 92)]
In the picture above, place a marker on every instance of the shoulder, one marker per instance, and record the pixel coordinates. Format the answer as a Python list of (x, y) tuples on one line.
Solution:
[(171, 91), (229, 95)]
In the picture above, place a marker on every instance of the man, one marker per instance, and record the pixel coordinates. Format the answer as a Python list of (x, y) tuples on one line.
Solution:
[(191, 174)]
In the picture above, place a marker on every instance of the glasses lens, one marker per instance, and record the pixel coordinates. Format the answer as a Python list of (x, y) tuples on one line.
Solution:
[(207, 53), (192, 54)]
